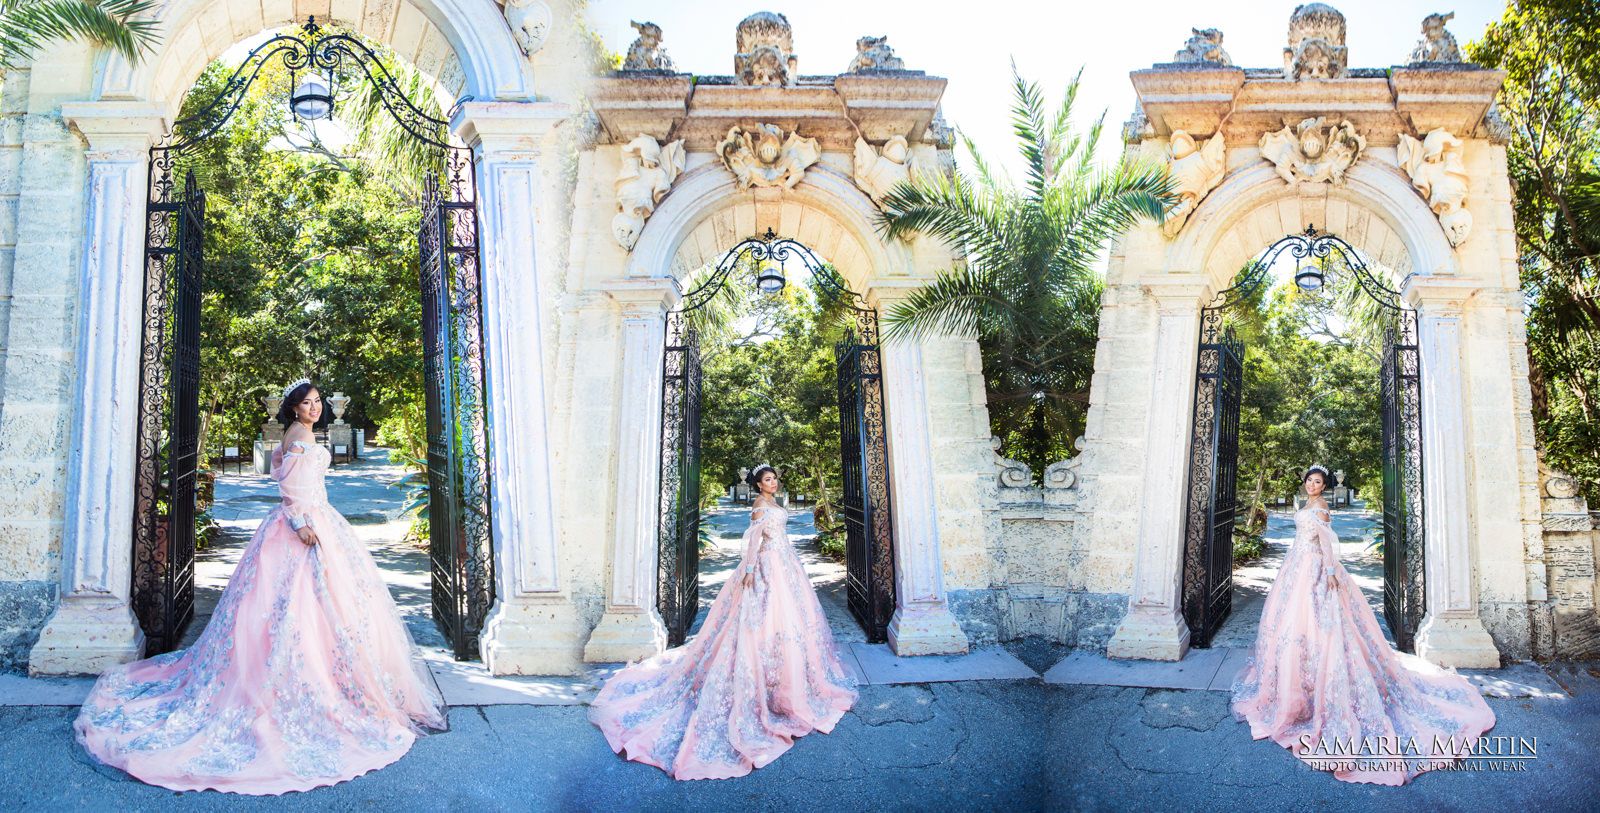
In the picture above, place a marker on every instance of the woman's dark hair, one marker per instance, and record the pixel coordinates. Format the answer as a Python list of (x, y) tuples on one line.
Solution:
[(1328, 480), (754, 478), (296, 395)]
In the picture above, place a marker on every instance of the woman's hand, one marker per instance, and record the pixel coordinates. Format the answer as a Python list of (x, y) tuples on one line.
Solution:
[(749, 580), (1333, 581), (308, 536)]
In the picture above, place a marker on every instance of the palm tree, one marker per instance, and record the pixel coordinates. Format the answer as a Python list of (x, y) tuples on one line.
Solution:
[(28, 25), (1030, 292)]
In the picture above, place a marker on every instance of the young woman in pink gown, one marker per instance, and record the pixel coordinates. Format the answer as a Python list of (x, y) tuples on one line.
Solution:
[(762, 670), (305, 675), (1321, 675)]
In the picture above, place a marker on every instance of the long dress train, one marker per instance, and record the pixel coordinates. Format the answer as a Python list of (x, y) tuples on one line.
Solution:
[(305, 675), (762, 670), (1321, 678)]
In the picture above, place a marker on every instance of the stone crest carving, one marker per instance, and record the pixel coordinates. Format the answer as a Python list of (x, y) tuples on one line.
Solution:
[(767, 157), (1437, 44), (874, 54), (1197, 170), (1435, 168), (1316, 44), (648, 170), (530, 23), (766, 51), (1555, 483), (1204, 46), (1010, 473), (646, 53), (1307, 152), (879, 170)]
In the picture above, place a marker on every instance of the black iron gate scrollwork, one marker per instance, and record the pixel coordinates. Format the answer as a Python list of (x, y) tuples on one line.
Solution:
[(1211, 507), (168, 444), (864, 504)]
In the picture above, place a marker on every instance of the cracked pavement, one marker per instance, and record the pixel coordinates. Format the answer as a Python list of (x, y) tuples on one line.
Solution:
[(976, 745)]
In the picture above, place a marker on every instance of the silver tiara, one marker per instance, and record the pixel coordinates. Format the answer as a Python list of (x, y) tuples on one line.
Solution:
[(1318, 468), (763, 467), (293, 385)]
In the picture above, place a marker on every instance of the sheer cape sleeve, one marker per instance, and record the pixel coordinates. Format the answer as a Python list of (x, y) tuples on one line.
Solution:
[(288, 472), (753, 538)]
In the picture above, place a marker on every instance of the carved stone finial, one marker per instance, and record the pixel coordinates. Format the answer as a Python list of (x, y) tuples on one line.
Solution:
[(1316, 44), (1437, 44), (766, 51), (1138, 127), (1064, 473), (880, 170), (530, 22), (1435, 168), (766, 157), (1010, 473), (648, 170), (874, 54), (1204, 46), (1197, 170), (1307, 152), (646, 53)]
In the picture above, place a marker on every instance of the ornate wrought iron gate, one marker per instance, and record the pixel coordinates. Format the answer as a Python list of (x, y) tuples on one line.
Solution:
[(1211, 506), (1402, 481), (864, 506), (1213, 474), (169, 447), (168, 450), (678, 593), (863, 443)]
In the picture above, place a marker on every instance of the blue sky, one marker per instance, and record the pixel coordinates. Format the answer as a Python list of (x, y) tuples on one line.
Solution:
[(972, 44)]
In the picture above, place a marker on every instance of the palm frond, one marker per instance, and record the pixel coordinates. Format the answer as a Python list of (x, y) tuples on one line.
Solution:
[(28, 25), (382, 141), (959, 303)]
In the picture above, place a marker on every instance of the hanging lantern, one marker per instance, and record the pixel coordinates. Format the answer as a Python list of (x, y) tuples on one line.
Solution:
[(312, 98), (1308, 277), (771, 280)]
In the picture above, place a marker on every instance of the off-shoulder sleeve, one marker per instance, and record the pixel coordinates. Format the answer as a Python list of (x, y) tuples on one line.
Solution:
[(1326, 538), (753, 538), (293, 473)]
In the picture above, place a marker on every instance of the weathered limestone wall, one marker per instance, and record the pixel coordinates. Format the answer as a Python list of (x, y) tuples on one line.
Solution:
[(41, 221)]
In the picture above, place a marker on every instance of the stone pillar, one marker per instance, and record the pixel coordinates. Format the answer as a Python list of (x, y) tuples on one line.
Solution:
[(1451, 633), (1571, 549), (922, 622), (534, 627), (93, 627), (631, 627), (1154, 628)]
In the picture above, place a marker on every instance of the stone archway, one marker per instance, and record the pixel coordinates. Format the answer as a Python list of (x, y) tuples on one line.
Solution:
[(467, 48), (1463, 286)]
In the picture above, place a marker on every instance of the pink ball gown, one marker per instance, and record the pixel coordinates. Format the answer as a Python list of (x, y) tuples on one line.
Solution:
[(762, 670), (1321, 677), (305, 675)]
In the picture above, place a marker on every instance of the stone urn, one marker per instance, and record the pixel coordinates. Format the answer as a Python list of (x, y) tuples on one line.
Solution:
[(340, 401), (272, 403)]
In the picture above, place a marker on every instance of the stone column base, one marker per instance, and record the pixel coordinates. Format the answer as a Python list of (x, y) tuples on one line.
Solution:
[(925, 630), (87, 636), (1458, 642), (533, 637), (626, 635), (1150, 634)]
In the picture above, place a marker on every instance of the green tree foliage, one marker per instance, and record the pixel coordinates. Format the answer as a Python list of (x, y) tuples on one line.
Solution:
[(1311, 395), (1551, 100), (1030, 291), (311, 266), (29, 25)]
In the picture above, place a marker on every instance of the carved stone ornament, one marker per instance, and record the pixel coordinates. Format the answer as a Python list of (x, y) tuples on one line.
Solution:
[(1064, 473), (1204, 46), (648, 170), (646, 53), (1138, 127), (530, 22), (1437, 44), (1495, 126), (766, 157), (874, 54), (879, 170), (1435, 168), (766, 51), (1197, 170), (1010, 473), (1308, 153), (1555, 483), (1316, 44)]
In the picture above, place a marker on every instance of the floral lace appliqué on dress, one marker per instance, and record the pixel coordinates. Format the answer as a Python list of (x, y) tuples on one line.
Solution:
[(304, 676), (1321, 676), (762, 670)]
